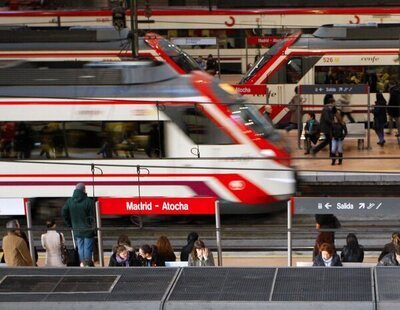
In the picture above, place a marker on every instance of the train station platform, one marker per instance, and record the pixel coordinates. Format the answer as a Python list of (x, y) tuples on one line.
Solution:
[(357, 288)]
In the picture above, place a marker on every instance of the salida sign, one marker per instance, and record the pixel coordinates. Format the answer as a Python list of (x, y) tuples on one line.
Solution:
[(157, 206)]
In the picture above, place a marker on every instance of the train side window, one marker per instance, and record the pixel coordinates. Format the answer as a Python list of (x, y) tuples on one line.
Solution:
[(294, 70)]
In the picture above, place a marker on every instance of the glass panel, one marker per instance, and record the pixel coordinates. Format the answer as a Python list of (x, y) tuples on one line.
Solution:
[(85, 140), (379, 78), (294, 70)]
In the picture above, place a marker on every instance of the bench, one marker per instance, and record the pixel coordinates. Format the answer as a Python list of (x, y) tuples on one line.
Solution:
[(309, 264), (355, 131)]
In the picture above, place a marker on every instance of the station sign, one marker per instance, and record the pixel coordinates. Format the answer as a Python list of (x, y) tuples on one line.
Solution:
[(194, 41), (264, 40), (251, 89), (346, 205), (12, 206), (157, 206), (333, 89)]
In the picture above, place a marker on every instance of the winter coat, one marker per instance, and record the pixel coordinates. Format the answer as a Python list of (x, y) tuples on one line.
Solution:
[(293, 107), (326, 119), (16, 251), (388, 248), (339, 131), (380, 116), (186, 250), (352, 255), (52, 244), (132, 260), (195, 261), (318, 261), (388, 260), (78, 213), (394, 102)]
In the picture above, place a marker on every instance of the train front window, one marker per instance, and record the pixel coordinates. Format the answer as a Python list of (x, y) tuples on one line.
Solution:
[(178, 56), (263, 60)]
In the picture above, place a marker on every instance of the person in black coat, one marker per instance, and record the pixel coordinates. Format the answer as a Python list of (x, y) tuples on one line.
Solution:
[(339, 132), (380, 118), (123, 258), (389, 247), (393, 107), (327, 256), (149, 257), (188, 248), (352, 252), (326, 122), (391, 259)]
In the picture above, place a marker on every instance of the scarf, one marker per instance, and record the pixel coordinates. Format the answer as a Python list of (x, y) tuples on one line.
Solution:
[(120, 260), (327, 262)]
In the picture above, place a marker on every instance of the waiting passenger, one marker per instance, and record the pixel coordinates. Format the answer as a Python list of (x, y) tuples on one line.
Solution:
[(51, 242), (352, 251), (391, 259), (188, 248), (148, 256), (123, 258), (201, 256), (295, 107), (325, 122), (328, 257), (339, 132), (125, 241), (323, 222), (165, 250), (312, 132), (389, 247), (380, 118)]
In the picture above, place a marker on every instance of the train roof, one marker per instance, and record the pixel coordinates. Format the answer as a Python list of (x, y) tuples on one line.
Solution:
[(361, 36), (368, 31), (134, 79), (74, 37), (85, 73)]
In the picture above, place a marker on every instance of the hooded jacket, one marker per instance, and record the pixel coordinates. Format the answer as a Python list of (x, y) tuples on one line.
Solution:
[(78, 213)]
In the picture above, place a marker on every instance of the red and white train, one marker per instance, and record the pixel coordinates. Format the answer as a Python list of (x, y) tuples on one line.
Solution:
[(333, 54), (150, 130)]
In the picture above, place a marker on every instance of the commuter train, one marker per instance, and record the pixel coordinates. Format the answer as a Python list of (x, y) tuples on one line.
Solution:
[(333, 54), (136, 128), (241, 33), (88, 43)]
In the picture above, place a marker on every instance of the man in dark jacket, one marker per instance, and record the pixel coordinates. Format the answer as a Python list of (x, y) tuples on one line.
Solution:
[(325, 123), (393, 108), (78, 213)]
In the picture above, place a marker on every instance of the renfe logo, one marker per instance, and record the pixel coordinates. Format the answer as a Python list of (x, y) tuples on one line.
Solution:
[(157, 205)]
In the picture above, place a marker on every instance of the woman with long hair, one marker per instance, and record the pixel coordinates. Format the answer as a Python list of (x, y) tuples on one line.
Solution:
[(352, 251), (165, 250), (201, 256)]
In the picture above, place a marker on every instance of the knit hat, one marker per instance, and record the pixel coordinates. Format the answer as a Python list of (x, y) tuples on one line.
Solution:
[(80, 186)]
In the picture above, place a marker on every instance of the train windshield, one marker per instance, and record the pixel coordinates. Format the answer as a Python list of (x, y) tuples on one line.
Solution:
[(263, 60), (247, 114), (182, 59)]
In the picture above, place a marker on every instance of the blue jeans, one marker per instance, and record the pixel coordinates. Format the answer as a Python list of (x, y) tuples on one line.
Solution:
[(85, 249), (337, 146)]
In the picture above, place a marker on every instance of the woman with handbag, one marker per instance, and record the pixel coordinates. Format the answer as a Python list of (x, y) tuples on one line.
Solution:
[(52, 242)]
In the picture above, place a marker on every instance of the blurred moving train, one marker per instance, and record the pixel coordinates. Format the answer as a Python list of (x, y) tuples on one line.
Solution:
[(241, 33), (150, 130), (333, 54), (88, 43)]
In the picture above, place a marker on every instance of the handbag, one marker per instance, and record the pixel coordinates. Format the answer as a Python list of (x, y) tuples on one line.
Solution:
[(69, 257), (64, 251)]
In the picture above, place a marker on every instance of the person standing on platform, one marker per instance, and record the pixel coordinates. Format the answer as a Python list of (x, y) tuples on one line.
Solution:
[(201, 256), (211, 65), (339, 132), (51, 242), (188, 248), (326, 122), (327, 256), (391, 259), (380, 118), (16, 251), (352, 252), (295, 107), (78, 213), (393, 107)]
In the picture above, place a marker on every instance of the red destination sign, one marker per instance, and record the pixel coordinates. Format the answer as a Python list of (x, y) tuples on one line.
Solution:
[(157, 206), (251, 89), (267, 41)]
